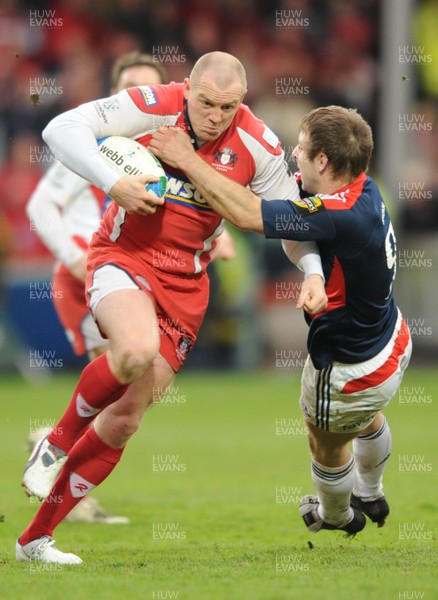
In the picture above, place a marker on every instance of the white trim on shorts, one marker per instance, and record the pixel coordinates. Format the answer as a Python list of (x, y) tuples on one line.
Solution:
[(323, 402), (110, 278)]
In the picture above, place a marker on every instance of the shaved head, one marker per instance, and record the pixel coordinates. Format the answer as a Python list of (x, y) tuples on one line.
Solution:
[(213, 93), (221, 68)]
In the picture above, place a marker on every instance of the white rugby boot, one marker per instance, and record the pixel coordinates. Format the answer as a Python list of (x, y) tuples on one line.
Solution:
[(44, 550), (88, 510), (42, 469)]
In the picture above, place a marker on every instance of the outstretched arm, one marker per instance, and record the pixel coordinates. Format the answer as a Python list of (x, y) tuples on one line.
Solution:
[(235, 203)]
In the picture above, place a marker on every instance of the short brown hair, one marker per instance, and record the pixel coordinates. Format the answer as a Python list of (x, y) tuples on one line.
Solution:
[(343, 135), (135, 59)]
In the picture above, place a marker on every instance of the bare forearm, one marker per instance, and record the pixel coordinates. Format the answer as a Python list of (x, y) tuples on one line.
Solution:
[(236, 204)]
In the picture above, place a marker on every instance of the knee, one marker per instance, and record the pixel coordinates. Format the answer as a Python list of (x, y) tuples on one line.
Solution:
[(119, 429), (130, 361), (125, 426)]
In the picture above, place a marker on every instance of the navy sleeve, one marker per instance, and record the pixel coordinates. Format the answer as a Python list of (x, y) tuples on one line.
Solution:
[(303, 220)]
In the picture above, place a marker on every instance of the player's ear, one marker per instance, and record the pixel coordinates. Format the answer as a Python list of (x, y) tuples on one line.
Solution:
[(322, 162), (186, 88)]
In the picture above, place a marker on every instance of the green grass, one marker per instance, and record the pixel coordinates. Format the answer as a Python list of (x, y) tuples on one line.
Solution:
[(234, 536)]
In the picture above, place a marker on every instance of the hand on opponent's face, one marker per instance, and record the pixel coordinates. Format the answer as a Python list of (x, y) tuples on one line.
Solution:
[(171, 145)]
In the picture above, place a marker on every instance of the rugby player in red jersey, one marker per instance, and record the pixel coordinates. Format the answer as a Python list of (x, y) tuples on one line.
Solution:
[(65, 211), (147, 285)]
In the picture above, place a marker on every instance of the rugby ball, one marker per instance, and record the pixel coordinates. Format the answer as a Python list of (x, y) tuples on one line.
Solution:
[(128, 157)]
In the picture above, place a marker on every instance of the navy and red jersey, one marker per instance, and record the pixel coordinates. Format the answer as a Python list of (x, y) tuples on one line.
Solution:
[(358, 250)]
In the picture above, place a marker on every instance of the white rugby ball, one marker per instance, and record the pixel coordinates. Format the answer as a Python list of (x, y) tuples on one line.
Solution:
[(128, 157)]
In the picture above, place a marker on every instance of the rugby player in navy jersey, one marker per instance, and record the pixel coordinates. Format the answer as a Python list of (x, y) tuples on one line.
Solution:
[(359, 346)]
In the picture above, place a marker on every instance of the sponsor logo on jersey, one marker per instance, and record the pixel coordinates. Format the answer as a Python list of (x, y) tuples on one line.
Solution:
[(185, 344), (181, 191), (311, 204), (226, 158), (148, 96)]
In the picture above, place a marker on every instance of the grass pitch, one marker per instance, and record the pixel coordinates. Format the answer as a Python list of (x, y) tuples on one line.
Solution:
[(211, 484)]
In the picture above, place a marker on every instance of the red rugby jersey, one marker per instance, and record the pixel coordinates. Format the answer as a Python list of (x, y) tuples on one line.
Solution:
[(179, 236)]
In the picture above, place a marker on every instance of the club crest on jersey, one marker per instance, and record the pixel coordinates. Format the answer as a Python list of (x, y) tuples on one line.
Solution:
[(226, 158), (185, 344), (311, 204)]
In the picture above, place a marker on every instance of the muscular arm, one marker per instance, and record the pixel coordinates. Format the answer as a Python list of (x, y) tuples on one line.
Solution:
[(235, 203), (281, 219), (238, 205)]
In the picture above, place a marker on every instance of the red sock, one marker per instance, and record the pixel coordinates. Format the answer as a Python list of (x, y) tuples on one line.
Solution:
[(97, 388), (89, 463)]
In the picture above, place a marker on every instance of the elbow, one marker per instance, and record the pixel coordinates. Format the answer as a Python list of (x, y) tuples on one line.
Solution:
[(33, 210), (241, 222), (249, 222), (249, 217)]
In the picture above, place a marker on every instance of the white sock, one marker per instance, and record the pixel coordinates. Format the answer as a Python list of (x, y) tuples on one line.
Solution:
[(333, 486), (371, 453)]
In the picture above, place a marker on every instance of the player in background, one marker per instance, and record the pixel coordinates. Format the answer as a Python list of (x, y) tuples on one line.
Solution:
[(65, 211), (147, 283), (359, 346)]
